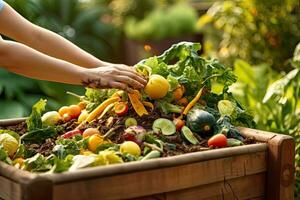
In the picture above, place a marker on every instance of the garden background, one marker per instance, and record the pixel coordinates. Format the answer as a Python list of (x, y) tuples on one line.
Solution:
[(257, 38)]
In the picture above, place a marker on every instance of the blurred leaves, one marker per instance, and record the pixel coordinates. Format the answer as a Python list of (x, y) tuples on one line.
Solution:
[(165, 22), (252, 30)]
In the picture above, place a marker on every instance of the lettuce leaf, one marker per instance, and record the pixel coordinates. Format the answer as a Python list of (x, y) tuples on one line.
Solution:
[(34, 121)]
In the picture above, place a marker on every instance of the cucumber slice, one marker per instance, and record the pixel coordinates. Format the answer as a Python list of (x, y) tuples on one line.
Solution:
[(188, 135), (130, 122), (231, 142), (164, 126)]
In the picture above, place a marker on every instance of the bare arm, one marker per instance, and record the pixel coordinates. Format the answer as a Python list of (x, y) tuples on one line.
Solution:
[(23, 60), (64, 63), (18, 28), (26, 61)]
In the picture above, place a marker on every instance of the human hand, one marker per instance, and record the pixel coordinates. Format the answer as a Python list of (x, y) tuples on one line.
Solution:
[(113, 76)]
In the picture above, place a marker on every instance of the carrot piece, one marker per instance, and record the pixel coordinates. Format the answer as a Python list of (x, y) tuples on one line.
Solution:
[(95, 113), (193, 102), (136, 103)]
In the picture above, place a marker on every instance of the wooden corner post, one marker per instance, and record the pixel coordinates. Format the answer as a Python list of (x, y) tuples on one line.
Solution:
[(281, 168)]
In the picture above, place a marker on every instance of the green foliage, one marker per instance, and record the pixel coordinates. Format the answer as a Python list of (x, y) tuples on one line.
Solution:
[(273, 99), (252, 30), (171, 21)]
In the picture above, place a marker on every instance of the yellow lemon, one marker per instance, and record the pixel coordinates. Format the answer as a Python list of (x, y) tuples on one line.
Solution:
[(157, 87)]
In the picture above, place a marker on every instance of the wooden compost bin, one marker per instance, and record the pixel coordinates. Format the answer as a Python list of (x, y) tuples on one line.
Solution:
[(257, 171)]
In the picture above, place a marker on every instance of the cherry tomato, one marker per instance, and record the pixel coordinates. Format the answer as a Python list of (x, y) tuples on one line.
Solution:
[(82, 105), (64, 110), (183, 101), (121, 108), (66, 117), (218, 140), (179, 123), (72, 133), (74, 111), (94, 142), (89, 132)]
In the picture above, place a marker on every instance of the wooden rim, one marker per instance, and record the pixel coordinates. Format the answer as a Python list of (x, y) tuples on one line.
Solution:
[(172, 161), (11, 122)]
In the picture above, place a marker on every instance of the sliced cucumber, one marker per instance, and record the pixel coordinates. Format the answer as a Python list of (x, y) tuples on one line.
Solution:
[(164, 126), (130, 122), (231, 142), (188, 135)]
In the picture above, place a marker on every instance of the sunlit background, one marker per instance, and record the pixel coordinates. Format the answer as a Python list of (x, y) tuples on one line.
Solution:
[(257, 38)]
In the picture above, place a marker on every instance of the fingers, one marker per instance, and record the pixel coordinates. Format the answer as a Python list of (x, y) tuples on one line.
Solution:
[(129, 71), (120, 86), (129, 81)]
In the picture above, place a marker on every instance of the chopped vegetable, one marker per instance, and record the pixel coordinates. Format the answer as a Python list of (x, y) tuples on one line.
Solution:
[(130, 122), (95, 113), (35, 121), (107, 110), (137, 104), (178, 92), (151, 155), (38, 136), (131, 148), (193, 102), (231, 142), (51, 118), (94, 141), (121, 108), (168, 107), (89, 132), (179, 123), (149, 105), (164, 126), (82, 117), (188, 135), (72, 133), (9, 143)]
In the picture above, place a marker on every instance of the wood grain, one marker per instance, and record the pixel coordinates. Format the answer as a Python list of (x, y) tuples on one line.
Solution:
[(162, 180), (9, 189)]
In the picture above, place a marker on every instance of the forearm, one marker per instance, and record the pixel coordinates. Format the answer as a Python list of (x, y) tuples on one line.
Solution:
[(25, 61), (54, 45), (16, 27)]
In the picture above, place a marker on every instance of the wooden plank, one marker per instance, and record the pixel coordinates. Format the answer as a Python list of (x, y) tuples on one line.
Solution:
[(246, 187), (281, 169), (9, 189), (14, 174), (162, 180), (172, 161)]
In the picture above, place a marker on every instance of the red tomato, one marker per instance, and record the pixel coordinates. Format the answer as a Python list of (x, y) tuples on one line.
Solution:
[(179, 123), (218, 140), (121, 108), (72, 133)]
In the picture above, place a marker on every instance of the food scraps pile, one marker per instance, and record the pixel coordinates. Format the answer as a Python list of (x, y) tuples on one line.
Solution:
[(185, 107)]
